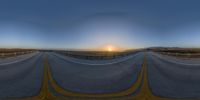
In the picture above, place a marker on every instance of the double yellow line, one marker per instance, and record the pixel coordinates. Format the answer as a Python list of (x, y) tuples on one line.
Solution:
[(109, 96), (141, 83), (45, 93)]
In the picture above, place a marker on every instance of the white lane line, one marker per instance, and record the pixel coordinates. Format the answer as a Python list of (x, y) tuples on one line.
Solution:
[(16, 61), (161, 57), (96, 64)]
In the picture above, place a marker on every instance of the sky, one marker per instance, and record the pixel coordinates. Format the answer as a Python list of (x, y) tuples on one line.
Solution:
[(93, 24)]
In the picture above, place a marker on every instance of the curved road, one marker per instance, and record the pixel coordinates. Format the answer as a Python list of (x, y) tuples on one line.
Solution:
[(95, 78), (145, 75), (173, 78), (21, 78)]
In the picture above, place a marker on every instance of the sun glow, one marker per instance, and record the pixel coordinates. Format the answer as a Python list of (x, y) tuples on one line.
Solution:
[(110, 49)]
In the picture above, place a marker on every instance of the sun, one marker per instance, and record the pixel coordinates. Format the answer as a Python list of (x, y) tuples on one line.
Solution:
[(110, 49)]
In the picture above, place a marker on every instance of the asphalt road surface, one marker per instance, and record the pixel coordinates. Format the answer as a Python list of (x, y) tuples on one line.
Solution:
[(140, 76)]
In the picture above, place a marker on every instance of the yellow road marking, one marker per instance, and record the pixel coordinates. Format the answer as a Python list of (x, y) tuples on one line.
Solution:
[(144, 93), (44, 91), (64, 92)]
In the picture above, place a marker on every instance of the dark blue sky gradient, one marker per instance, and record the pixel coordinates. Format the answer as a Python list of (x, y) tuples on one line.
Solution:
[(95, 23)]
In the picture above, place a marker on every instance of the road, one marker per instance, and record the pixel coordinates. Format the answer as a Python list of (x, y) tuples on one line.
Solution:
[(173, 78), (21, 77), (144, 75)]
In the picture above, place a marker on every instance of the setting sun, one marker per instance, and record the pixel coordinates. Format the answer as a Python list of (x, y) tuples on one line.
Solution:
[(110, 49)]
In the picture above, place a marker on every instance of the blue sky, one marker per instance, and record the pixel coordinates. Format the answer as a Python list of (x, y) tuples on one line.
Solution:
[(86, 24)]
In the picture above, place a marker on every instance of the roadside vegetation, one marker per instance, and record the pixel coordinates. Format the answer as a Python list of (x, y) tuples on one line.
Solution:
[(179, 52), (96, 55), (4, 53)]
